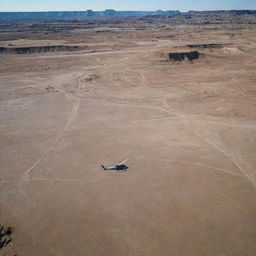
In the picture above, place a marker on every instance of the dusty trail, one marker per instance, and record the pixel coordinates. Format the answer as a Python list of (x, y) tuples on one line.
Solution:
[(244, 172), (189, 126), (25, 178)]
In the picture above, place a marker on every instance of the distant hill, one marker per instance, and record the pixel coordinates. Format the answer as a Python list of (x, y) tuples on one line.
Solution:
[(90, 14), (79, 14)]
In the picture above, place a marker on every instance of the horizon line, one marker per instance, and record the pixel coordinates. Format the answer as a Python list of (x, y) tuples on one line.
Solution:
[(239, 9)]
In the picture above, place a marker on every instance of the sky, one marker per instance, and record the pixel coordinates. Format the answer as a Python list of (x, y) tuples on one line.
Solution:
[(148, 5)]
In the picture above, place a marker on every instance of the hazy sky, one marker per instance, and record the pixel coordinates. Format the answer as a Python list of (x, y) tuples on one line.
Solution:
[(77, 5)]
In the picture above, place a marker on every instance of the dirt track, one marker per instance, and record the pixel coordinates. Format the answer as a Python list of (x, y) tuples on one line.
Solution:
[(188, 130)]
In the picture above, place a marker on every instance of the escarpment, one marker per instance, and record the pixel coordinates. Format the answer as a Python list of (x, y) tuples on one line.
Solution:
[(40, 49)]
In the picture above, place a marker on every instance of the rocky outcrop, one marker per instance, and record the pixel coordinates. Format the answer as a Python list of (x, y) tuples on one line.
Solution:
[(205, 46), (181, 56), (109, 12), (39, 49), (90, 13)]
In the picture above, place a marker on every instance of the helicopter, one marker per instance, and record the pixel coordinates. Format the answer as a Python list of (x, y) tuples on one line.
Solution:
[(118, 167)]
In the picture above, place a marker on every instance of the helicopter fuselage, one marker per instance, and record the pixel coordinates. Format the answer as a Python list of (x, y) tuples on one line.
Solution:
[(116, 167)]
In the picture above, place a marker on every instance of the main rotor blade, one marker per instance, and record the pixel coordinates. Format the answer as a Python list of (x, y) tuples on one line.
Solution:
[(124, 161)]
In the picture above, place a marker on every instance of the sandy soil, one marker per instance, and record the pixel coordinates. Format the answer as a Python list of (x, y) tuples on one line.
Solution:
[(188, 130)]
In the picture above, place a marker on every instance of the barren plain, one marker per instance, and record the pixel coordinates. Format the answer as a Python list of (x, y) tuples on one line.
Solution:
[(82, 95)]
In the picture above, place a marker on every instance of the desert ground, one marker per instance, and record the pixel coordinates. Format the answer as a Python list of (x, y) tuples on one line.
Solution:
[(83, 96)]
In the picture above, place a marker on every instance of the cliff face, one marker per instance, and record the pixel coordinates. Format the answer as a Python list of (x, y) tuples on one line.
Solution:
[(38, 49), (205, 46)]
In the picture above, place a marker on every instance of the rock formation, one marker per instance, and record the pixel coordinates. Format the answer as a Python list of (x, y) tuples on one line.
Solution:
[(39, 49), (205, 46), (181, 56)]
